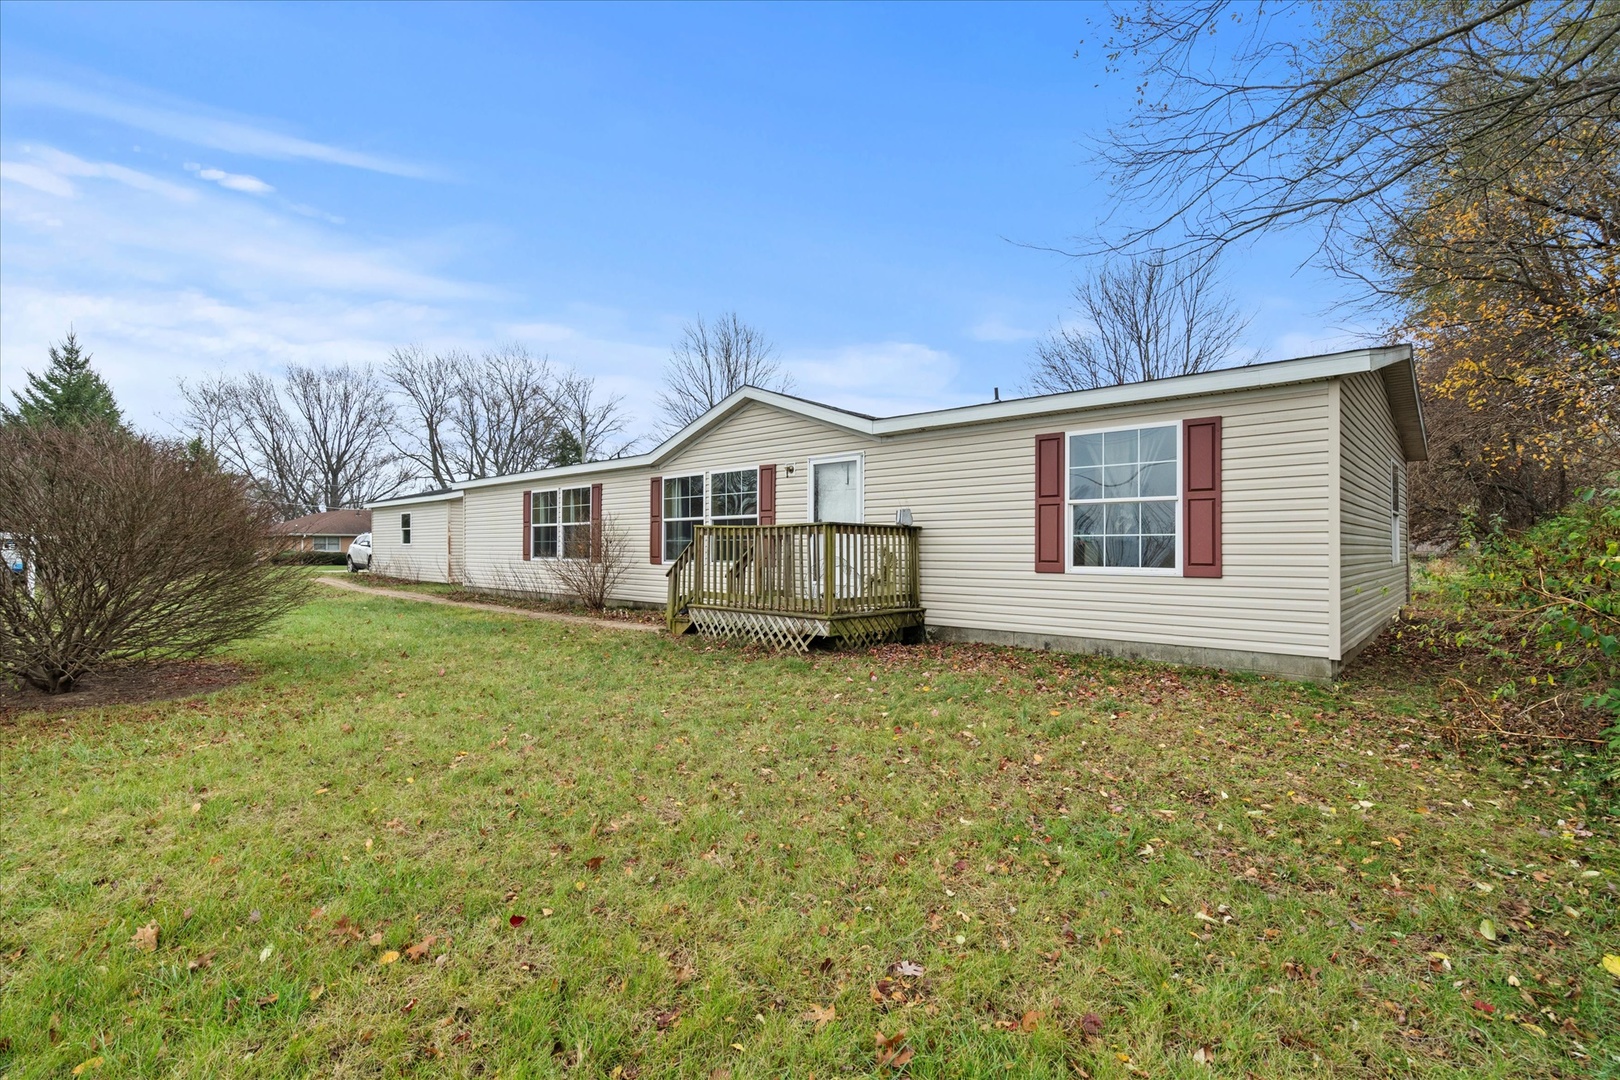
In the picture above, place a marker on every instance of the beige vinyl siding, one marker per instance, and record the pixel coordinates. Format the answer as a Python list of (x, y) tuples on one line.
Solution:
[(493, 547), (1372, 586), (457, 541), (972, 492), (426, 557)]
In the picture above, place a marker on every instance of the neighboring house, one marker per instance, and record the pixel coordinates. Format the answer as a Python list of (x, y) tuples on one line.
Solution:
[(331, 531), (1246, 518)]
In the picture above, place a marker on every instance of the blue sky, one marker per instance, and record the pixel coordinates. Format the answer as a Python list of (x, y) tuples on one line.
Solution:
[(199, 188)]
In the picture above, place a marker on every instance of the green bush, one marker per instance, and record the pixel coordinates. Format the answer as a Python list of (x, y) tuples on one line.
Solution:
[(1552, 593)]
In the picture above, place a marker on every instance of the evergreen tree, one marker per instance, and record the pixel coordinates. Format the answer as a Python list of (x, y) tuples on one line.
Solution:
[(68, 394)]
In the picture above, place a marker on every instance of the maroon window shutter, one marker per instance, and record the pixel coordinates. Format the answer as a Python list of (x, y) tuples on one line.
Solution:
[(767, 494), (1049, 504), (596, 523), (528, 533), (1201, 497), (655, 532)]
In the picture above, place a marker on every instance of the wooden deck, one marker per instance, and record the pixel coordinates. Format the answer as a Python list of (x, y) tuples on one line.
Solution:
[(787, 585)]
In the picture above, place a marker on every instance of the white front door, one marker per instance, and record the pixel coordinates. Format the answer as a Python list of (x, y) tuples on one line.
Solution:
[(835, 490)]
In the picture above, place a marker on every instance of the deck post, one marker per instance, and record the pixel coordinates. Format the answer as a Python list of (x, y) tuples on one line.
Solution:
[(697, 568), (829, 574), (916, 568)]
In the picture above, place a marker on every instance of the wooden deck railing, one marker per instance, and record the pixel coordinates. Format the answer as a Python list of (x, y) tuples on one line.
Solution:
[(821, 569)]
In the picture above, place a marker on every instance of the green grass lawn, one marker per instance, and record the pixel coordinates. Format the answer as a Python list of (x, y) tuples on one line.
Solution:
[(428, 841)]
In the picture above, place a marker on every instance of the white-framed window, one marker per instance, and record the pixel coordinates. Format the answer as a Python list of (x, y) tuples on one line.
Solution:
[(734, 497), (1395, 474), (683, 512), (404, 528), (325, 543), (560, 523), (576, 523), (1125, 499), (716, 497), (837, 488)]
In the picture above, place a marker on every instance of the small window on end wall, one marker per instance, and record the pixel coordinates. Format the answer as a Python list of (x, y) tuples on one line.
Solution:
[(326, 543), (1395, 471), (404, 528)]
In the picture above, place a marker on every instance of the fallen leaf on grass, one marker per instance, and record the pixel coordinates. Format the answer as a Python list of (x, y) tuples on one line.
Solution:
[(1487, 930), (594, 863), (907, 969), (667, 1020), (388, 957), (268, 1000), (892, 1051), (1484, 1006), (518, 920), (315, 992), (821, 1016), (376, 939), (1031, 1020), (203, 961), (410, 1006), (1204, 1055), (145, 939), (1091, 1024), (1611, 964), (86, 1066), (264, 953), (420, 949)]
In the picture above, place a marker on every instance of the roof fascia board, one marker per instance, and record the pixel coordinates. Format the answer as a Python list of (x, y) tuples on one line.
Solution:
[(1226, 380), (405, 500)]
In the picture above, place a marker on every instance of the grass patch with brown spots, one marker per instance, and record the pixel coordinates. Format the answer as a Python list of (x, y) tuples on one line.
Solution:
[(440, 842)]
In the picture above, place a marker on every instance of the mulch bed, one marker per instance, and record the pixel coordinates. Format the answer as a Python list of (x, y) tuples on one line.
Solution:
[(132, 684)]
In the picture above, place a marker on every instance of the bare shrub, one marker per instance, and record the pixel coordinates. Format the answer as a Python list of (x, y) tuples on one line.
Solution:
[(132, 549), (593, 580)]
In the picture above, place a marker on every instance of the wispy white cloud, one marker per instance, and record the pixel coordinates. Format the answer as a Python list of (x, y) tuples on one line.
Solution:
[(53, 171), (252, 185), (189, 123), (165, 280), (37, 177), (881, 378)]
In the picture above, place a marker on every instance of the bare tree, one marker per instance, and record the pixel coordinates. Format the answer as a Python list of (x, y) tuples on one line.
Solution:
[(319, 440), (1140, 319), (1256, 117), (428, 384), (593, 580), (498, 413), (501, 414), (588, 426), (710, 362), (132, 551), (343, 418)]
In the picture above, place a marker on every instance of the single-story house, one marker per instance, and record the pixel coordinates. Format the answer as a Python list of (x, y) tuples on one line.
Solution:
[(330, 531), (1248, 518)]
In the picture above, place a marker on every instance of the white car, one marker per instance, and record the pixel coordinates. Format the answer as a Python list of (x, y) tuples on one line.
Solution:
[(10, 556), (360, 553)]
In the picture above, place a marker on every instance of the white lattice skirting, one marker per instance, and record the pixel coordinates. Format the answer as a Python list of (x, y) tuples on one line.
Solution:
[(793, 632)]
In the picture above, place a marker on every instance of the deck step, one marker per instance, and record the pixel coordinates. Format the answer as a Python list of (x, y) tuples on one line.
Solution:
[(681, 625)]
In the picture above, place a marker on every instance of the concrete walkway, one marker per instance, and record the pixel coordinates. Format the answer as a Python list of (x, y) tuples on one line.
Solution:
[(498, 609)]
